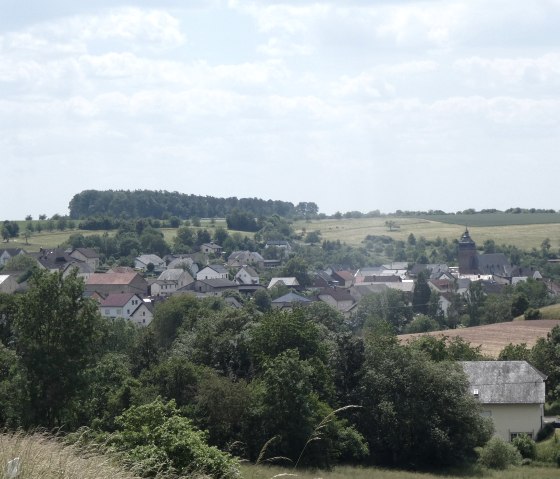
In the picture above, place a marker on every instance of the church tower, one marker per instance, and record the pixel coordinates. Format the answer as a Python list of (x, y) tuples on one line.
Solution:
[(467, 254)]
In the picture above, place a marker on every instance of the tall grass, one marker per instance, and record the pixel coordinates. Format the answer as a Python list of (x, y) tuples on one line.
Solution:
[(42, 456)]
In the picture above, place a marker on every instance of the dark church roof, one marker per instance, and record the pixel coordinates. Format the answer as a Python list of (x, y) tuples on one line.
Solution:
[(466, 238), (493, 263)]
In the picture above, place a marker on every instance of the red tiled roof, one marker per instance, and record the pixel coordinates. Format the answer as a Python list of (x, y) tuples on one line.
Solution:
[(112, 278)]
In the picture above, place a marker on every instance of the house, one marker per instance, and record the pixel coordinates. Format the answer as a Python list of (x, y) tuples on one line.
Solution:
[(247, 275), (143, 315), (238, 259), (290, 282), (288, 301), (213, 286), (323, 280), (183, 262), (141, 262), (343, 278), (339, 299), (8, 284), (84, 270), (54, 260), (116, 282), (511, 393), (212, 271), (283, 246), (8, 253), (170, 281), (128, 306), (86, 255), (211, 248)]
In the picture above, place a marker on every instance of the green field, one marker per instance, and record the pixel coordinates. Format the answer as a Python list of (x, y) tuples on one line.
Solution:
[(347, 472), (353, 231), (496, 219)]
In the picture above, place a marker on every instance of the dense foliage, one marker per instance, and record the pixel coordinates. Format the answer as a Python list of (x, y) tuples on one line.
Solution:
[(162, 204), (296, 385)]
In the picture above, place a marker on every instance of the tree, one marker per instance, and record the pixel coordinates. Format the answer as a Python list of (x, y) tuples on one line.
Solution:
[(10, 229), (421, 294), (475, 298), (417, 412), (313, 237), (389, 307), (57, 333), (297, 267)]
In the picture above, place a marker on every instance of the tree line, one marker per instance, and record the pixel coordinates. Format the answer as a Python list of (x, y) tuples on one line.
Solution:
[(164, 204)]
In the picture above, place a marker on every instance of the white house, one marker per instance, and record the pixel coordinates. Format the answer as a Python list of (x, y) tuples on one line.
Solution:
[(243, 258), (8, 284), (8, 253), (170, 281), (212, 271), (142, 262), (127, 306), (87, 255), (247, 275), (511, 393)]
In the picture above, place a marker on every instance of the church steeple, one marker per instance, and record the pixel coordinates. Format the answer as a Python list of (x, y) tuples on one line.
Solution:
[(467, 254)]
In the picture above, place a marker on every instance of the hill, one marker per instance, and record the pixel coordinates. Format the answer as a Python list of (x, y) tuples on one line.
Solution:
[(492, 338), (354, 230)]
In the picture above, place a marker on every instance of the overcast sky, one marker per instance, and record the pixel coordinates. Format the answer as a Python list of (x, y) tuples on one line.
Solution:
[(355, 105)]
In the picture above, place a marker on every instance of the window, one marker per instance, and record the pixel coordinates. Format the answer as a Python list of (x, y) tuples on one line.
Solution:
[(513, 435)]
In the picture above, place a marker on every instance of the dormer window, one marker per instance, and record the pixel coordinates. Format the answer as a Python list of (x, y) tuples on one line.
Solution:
[(475, 393)]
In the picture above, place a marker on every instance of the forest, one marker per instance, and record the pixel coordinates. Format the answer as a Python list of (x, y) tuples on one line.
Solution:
[(164, 204)]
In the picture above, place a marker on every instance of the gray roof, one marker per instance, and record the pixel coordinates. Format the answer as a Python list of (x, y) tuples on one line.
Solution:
[(505, 382), (493, 263), (218, 268), (172, 274), (218, 283), (291, 298)]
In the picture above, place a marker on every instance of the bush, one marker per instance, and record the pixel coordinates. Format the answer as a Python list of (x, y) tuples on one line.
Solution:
[(154, 439), (532, 313), (498, 454), (545, 432), (526, 446)]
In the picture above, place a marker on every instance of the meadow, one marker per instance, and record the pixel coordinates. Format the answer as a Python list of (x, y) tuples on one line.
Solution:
[(43, 457), (349, 472), (354, 230)]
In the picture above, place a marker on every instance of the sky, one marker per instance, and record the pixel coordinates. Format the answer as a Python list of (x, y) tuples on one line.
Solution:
[(354, 105)]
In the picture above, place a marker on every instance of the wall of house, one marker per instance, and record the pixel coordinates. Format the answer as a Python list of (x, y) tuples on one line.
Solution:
[(511, 419)]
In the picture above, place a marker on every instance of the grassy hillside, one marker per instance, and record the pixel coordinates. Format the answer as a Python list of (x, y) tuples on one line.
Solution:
[(354, 230), (497, 219), (492, 338)]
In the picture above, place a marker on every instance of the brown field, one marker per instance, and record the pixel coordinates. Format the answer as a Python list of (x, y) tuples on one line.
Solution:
[(492, 338), (354, 230)]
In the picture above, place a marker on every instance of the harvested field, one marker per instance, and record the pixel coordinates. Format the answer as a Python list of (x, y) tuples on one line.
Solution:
[(492, 338)]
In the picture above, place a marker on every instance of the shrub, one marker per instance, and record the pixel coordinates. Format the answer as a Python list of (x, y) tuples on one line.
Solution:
[(154, 439), (498, 454), (526, 446), (545, 432), (532, 313)]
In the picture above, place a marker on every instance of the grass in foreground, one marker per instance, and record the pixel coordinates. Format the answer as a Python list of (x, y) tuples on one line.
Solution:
[(43, 457), (347, 472)]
